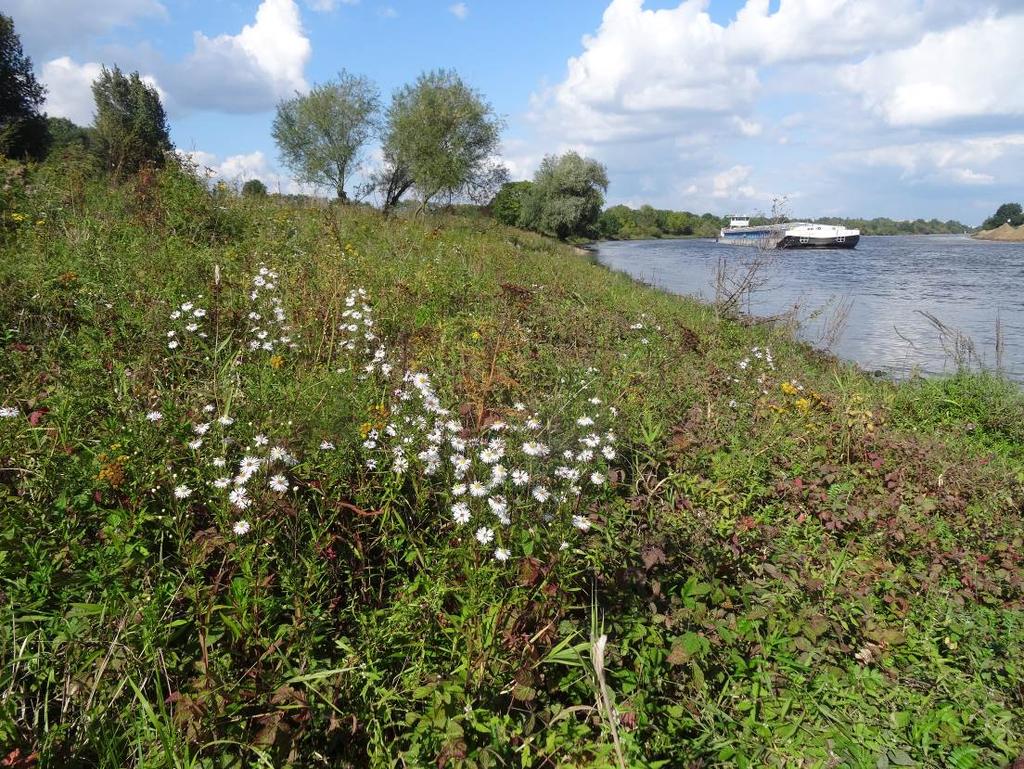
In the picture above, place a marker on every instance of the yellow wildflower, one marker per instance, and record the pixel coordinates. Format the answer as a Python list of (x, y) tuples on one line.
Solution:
[(788, 388), (276, 361)]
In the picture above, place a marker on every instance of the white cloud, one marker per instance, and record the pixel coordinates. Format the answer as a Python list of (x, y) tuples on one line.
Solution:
[(963, 161), (651, 72), (325, 6), (69, 88), (733, 183), (459, 10), (238, 169), (969, 71), (49, 26), (250, 71)]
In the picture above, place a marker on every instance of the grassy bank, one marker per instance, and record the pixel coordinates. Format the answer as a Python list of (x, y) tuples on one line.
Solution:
[(792, 564)]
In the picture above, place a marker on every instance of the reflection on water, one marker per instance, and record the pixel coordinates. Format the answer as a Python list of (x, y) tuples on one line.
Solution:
[(966, 284)]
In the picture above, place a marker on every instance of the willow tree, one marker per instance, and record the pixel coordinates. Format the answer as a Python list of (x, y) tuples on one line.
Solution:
[(322, 134), (443, 136), (130, 130), (566, 196)]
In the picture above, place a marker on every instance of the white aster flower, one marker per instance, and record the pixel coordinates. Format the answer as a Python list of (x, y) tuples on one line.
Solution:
[(484, 535), (261, 440), (226, 420), (278, 483), (584, 421), (597, 479), (520, 477), (172, 345), (541, 494), (195, 444), (239, 498), (222, 483), (219, 462), (501, 554), (477, 489), (535, 449), (459, 489), (152, 416), (192, 327), (249, 465), (182, 492), (609, 452), (581, 523), (326, 446), (241, 528), (201, 429), (460, 512)]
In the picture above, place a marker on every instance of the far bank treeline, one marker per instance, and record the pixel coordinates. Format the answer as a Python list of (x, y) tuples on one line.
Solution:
[(645, 223)]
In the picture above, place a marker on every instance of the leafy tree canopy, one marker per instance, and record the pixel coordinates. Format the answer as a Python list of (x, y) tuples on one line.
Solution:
[(567, 196), (507, 205), (445, 135), (320, 135), (131, 126), (254, 188), (23, 130), (1007, 212)]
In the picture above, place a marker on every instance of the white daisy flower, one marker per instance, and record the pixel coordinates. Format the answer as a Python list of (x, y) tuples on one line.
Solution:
[(192, 327), (535, 449), (609, 452), (326, 446), (239, 498), (477, 489), (581, 523), (584, 421), (249, 465), (172, 345), (489, 456), (459, 489), (226, 420), (241, 528), (541, 494), (460, 512), (152, 416), (597, 479), (222, 483), (278, 483), (261, 440), (498, 475), (501, 554), (520, 477), (484, 535), (219, 462), (201, 429), (195, 444), (532, 424), (182, 492)]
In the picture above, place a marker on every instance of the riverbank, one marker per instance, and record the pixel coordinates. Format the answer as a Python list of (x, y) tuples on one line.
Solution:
[(790, 561)]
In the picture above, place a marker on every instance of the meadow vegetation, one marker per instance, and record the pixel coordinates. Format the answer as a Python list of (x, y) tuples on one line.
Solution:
[(288, 485)]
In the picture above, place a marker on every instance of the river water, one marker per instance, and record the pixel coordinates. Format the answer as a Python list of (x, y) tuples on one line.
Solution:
[(887, 284)]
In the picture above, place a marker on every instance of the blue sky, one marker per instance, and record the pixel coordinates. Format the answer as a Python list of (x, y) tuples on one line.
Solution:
[(899, 108)]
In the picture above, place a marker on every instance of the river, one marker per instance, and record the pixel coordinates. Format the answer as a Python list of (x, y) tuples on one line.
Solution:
[(887, 283)]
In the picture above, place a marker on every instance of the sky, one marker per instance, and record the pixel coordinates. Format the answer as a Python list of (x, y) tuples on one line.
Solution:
[(899, 108)]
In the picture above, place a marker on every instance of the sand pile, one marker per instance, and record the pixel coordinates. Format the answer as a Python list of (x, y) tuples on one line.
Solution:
[(1005, 232)]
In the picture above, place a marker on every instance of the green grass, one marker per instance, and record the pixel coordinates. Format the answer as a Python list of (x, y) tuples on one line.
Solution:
[(795, 565)]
